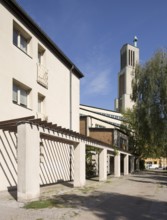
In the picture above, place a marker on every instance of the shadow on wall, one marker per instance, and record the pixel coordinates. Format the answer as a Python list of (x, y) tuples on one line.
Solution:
[(8, 160), (56, 166), (57, 162)]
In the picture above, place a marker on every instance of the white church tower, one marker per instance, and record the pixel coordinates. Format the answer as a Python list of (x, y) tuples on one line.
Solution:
[(129, 57)]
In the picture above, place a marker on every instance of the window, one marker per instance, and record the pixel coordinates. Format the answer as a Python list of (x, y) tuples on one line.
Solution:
[(41, 52), (39, 57), (123, 143), (21, 94), (15, 37), (21, 38), (123, 59), (23, 43), (122, 79), (20, 41), (41, 99), (99, 126), (131, 58)]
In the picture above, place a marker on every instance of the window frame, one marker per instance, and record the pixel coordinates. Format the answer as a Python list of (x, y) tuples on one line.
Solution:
[(21, 94), (41, 104), (41, 55), (23, 43), (21, 39)]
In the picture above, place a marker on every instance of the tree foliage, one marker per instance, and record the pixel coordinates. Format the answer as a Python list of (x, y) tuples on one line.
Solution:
[(148, 119)]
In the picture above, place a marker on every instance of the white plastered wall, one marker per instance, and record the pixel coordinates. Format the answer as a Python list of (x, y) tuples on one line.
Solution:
[(55, 162), (8, 160), (15, 64)]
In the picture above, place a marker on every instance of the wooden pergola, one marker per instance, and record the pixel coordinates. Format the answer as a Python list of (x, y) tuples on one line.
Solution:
[(31, 130), (11, 125)]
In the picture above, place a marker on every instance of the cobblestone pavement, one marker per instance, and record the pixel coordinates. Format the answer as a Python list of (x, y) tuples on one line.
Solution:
[(141, 196)]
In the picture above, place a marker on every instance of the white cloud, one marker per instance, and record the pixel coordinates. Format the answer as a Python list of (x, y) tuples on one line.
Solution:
[(98, 83)]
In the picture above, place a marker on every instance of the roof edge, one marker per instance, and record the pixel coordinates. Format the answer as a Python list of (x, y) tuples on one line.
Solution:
[(30, 23), (99, 108)]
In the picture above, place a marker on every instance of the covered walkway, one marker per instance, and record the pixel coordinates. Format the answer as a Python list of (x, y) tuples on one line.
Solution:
[(41, 153)]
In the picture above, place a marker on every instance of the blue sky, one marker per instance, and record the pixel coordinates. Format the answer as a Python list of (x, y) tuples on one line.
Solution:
[(92, 32)]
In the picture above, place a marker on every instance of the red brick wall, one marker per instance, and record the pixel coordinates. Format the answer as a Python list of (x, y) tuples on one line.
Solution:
[(105, 136), (83, 126)]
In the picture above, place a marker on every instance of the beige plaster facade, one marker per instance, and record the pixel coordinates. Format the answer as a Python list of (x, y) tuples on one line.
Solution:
[(153, 163), (36, 78)]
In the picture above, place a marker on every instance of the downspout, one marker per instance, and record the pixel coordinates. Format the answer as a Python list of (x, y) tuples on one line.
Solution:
[(70, 122), (70, 93)]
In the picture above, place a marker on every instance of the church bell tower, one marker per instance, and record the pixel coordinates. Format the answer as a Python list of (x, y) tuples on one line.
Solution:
[(129, 57)]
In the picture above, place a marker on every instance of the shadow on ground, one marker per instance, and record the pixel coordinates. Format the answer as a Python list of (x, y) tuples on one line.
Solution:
[(99, 204), (145, 181), (114, 206), (156, 177), (117, 206)]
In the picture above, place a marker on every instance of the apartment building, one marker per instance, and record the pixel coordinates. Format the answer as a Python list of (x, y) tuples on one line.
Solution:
[(36, 78), (39, 86)]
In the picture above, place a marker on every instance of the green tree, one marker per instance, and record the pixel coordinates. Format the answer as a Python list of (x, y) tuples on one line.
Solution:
[(130, 127), (148, 119)]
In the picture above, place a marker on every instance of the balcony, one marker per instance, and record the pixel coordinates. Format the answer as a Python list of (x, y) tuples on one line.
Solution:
[(42, 75)]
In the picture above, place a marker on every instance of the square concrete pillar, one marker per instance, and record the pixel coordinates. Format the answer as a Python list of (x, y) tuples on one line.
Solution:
[(79, 165), (126, 164), (108, 164), (28, 162), (103, 165), (137, 164), (132, 164), (117, 165)]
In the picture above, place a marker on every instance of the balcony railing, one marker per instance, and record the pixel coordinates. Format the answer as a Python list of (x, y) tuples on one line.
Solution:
[(42, 75)]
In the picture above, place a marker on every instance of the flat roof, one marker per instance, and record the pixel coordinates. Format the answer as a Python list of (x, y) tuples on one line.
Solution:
[(15, 8), (100, 108)]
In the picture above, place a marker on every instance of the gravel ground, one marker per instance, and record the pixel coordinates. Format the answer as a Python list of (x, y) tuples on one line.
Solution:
[(139, 196)]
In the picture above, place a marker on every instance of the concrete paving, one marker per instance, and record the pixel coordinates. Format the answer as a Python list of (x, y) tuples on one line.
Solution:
[(139, 196)]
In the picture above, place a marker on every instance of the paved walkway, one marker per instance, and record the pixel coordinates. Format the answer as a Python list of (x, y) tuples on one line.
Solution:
[(141, 196)]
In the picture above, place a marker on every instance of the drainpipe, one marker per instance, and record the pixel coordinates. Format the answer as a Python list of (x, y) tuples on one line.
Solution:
[(70, 93), (70, 122)]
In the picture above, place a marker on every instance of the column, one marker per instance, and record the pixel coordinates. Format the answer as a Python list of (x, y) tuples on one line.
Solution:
[(79, 165), (126, 164), (137, 164), (103, 165), (132, 164), (108, 164), (87, 125), (117, 164), (28, 162)]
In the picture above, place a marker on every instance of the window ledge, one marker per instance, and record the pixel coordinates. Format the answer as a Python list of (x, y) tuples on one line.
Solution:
[(23, 51), (22, 106)]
